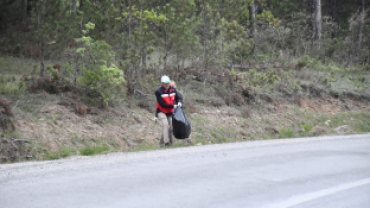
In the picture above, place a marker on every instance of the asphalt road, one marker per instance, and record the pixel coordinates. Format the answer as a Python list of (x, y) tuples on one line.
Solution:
[(310, 172)]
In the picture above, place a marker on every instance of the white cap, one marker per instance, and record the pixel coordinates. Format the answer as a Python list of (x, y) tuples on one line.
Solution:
[(165, 79)]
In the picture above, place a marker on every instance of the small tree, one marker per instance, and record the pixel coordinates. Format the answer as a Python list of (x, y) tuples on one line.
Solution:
[(101, 79), (139, 42), (177, 36), (52, 28)]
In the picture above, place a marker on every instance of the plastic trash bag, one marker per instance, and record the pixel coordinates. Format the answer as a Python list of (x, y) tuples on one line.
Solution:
[(180, 124)]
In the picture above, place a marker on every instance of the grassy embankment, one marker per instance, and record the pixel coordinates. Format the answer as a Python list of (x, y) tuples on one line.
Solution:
[(315, 100)]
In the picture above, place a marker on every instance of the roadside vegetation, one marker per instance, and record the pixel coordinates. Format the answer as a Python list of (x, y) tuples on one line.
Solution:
[(81, 80)]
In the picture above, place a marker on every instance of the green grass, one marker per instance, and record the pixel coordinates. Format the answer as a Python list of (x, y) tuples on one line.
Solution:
[(146, 147), (221, 140), (65, 152), (363, 127), (307, 127), (51, 156), (11, 89), (199, 140), (62, 153), (361, 122), (286, 133), (338, 120), (199, 119), (205, 131), (53, 130), (200, 129), (96, 149)]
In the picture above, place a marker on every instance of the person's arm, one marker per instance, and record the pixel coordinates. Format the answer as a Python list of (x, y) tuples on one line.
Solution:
[(178, 97), (161, 101)]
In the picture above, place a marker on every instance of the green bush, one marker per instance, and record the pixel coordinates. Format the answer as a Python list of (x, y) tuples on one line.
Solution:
[(101, 77), (11, 88), (95, 150), (51, 156), (64, 153), (103, 82), (286, 133), (303, 62), (307, 127)]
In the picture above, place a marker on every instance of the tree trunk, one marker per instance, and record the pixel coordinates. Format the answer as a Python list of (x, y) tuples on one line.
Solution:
[(334, 14), (128, 5), (77, 72), (42, 61), (316, 19), (205, 36), (361, 26), (74, 2), (81, 4), (29, 8), (129, 38), (165, 46), (252, 12), (143, 56)]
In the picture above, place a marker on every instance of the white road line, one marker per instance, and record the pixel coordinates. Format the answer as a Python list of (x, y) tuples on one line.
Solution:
[(294, 200)]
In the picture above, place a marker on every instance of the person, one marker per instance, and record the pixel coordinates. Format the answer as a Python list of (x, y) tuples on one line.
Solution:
[(167, 100)]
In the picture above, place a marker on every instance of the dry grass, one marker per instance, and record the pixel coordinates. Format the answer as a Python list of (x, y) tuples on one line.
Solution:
[(54, 129)]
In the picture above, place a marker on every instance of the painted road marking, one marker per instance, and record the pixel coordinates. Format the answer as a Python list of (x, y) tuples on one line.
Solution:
[(292, 201)]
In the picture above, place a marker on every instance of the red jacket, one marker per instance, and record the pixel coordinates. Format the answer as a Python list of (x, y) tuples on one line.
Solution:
[(166, 100)]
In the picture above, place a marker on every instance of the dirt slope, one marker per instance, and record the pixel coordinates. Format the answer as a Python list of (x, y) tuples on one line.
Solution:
[(55, 129)]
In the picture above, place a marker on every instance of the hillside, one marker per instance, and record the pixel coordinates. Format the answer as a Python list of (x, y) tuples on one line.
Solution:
[(52, 126), (78, 77)]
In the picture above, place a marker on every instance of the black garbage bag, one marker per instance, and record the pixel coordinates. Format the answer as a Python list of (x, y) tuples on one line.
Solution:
[(180, 124)]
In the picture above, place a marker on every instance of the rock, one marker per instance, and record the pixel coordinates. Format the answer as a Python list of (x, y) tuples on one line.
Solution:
[(272, 130), (64, 103), (343, 129), (5, 107), (81, 110), (317, 131), (6, 124)]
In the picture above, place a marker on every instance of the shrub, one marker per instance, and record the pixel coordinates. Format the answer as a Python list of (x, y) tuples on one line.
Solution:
[(238, 99), (51, 156), (103, 82), (366, 67), (101, 78), (95, 150), (246, 113), (286, 133), (361, 79), (307, 127), (303, 62), (64, 153)]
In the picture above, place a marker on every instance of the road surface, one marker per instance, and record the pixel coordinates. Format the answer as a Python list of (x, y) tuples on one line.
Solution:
[(309, 172)]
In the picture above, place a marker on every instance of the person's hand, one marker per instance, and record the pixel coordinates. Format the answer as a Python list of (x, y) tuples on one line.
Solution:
[(174, 106), (179, 104)]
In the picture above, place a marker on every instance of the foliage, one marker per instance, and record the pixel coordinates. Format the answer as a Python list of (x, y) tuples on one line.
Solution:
[(100, 75), (12, 88), (52, 28), (206, 45), (303, 62), (269, 18), (269, 77), (307, 127), (286, 133), (96, 149)]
